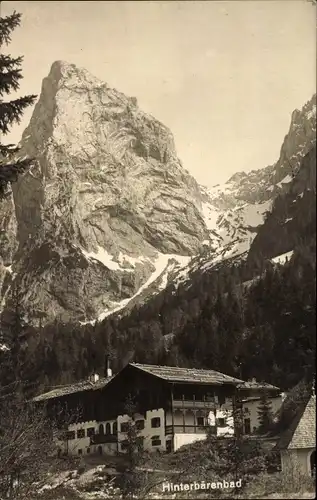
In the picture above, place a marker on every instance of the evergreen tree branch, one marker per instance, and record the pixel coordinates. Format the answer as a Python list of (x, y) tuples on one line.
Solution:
[(8, 62), (10, 112), (7, 25), (9, 80)]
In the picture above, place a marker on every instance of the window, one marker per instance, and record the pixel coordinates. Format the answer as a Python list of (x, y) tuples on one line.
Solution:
[(221, 422), (139, 424), (200, 421), (108, 428), (247, 426), (247, 411), (80, 433), (88, 451), (155, 422), (90, 431), (70, 435), (101, 429), (115, 428), (156, 441), (80, 452), (124, 427)]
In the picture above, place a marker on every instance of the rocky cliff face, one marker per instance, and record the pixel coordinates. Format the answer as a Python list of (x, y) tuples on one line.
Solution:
[(292, 221), (259, 186), (235, 210), (107, 215), (106, 198)]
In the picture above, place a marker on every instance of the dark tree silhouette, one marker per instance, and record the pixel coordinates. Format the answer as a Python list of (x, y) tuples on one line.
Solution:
[(11, 165)]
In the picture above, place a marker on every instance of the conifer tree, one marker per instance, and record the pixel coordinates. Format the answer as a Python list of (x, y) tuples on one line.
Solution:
[(11, 111), (131, 478), (265, 414)]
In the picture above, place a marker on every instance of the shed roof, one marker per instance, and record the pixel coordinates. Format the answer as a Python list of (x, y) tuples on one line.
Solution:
[(253, 384), (302, 431)]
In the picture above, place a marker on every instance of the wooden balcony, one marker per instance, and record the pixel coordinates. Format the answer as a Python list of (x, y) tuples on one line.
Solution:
[(103, 438), (188, 429), (193, 404)]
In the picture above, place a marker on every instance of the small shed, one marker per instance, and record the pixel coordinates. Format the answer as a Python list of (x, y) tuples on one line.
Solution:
[(297, 445)]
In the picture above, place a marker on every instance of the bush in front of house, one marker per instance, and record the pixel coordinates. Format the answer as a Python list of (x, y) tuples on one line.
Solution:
[(278, 483)]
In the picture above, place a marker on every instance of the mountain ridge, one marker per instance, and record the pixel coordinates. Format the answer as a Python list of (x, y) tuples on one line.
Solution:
[(108, 211)]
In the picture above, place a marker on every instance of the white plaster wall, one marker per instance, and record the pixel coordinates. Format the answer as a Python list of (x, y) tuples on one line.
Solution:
[(148, 432), (296, 461), (80, 443), (253, 410), (184, 438), (226, 414), (223, 411), (252, 406), (72, 446)]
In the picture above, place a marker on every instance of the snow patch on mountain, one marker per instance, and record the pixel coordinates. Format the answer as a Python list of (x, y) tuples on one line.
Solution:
[(232, 231), (102, 256), (210, 215), (108, 261), (286, 180), (165, 264), (283, 258)]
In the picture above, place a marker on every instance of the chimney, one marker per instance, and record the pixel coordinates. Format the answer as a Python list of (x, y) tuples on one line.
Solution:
[(94, 377), (108, 371)]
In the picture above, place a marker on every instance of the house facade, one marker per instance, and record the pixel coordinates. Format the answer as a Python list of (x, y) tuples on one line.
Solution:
[(251, 393), (297, 444), (171, 406)]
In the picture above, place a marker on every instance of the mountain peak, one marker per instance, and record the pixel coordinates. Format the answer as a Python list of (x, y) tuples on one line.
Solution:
[(107, 197), (63, 70)]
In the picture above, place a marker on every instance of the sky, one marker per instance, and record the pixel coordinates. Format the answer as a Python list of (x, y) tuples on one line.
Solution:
[(224, 76)]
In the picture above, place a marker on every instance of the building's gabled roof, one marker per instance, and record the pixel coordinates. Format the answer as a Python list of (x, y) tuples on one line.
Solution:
[(85, 385), (253, 384), (187, 375), (168, 373), (302, 431), (249, 399)]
